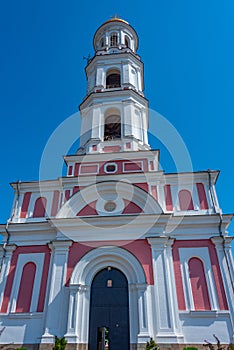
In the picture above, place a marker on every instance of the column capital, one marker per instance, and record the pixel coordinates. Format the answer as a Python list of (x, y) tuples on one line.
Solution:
[(61, 246), (79, 287), (159, 243), (219, 241), (8, 248)]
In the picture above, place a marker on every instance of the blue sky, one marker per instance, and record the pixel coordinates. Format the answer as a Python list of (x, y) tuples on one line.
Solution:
[(188, 52)]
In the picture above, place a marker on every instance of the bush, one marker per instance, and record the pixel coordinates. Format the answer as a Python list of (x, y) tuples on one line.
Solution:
[(59, 343), (151, 345)]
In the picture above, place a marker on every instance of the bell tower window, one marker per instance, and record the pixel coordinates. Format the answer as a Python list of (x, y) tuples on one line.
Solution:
[(101, 42), (126, 41), (113, 39), (112, 129), (113, 79)]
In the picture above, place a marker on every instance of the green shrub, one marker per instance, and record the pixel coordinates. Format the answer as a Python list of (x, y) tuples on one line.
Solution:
[(59, 343), (190, 348), (151, 345)]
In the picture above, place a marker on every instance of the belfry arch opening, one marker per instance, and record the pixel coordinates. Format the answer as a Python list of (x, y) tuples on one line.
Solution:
[(112, 128), (114, 39), (113, 79)]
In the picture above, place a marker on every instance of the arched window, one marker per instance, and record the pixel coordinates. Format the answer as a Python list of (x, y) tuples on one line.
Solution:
[(101, 42), (113, 39), (113, 79), (126, 41), (112, 128), (198, 284), (26, 288), (39, 207), (185, 199)]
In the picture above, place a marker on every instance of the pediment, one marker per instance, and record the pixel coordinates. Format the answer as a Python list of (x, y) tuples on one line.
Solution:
[(110, 198)]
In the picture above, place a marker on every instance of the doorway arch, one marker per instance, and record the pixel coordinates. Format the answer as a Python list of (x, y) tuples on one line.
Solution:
[(80, 293), (109, 311)]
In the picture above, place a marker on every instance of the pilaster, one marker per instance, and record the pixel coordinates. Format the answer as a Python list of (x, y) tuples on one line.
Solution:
[(168, 327), (5, 263), (57, 290)]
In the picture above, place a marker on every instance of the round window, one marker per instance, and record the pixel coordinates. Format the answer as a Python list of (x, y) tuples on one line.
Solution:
[(110, 206), (110, 168)]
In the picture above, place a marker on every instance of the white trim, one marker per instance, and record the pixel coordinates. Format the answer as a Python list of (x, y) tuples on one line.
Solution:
[(110, 172)]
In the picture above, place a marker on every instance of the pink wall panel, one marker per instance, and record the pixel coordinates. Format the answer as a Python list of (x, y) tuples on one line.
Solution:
[(24, 208), (154, 192), (215, 268), (70, 170), (88, 210), (198, 284), (11, 275), (185, 199), (39, 207), (131, 208), (139, 248), (202, 196), (26, 288), (168, 197), (55, 203)]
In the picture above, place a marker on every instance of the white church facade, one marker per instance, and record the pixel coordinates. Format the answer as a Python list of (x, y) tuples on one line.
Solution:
[(117, 251)]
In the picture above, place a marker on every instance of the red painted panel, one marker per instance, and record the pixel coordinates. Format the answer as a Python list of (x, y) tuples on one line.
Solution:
[(40, 207), (12, 269), (75, 189), (185, 199), (45, 272), (55, 203), (26, 288), (215, 268), (128, 145), (88, 210), (178, 277), (111, 149), (67, 195), (151, 165), (89, 169), (24, 208), (154, 192), (94, 147), (133, 166), (131, 208), (76, 170), (143, 185), (202, 196), (168, 197), (139, 248), (198, 284), (70, 169)]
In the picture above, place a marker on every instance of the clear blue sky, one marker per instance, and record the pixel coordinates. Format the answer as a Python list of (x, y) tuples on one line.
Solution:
[(186, 45)]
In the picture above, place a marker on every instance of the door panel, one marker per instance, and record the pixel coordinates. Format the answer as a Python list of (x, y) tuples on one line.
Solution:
[(109, 309)]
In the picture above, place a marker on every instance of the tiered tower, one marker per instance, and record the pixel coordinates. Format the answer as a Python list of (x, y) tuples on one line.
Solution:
[(116, 251)]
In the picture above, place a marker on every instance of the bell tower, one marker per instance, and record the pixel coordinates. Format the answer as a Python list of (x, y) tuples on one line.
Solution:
[(114, 112)]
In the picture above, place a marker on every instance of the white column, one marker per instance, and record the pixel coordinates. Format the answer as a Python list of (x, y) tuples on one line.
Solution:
[(56, 290), (5, 261), (78, 314), (168, 327), (143, 335)]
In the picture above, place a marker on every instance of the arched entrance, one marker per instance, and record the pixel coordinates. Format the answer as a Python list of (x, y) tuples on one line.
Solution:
[(109, 311), (80, 290)]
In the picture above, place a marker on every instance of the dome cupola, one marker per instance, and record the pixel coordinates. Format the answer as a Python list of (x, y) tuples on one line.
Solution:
[(114, 36)]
